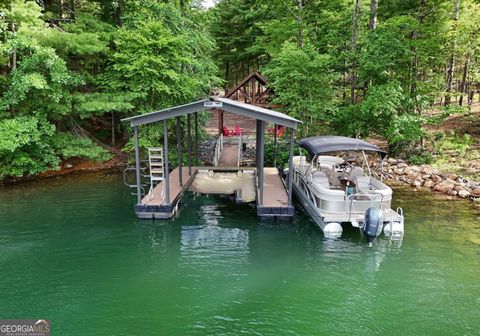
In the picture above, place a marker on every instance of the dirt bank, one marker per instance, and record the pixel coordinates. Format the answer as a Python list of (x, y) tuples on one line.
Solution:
[(75, 166)]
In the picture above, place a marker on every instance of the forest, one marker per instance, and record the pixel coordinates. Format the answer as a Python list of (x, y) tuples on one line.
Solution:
[(71, 69)]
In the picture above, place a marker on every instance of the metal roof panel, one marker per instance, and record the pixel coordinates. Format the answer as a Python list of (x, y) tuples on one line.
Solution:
[(229, 105)]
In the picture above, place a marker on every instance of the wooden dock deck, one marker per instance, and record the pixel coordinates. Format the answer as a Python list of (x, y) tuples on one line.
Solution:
[(274, 193), (175, 187), (155, 206), (275, 196)]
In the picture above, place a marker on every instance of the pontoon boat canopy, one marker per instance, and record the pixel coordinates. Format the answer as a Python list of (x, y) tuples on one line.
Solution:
[(324, 144)]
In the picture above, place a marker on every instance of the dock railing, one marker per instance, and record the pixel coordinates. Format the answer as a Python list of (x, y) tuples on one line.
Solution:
[(240, 143), (218, 150)]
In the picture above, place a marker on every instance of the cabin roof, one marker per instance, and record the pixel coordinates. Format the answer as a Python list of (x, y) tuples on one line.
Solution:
[(253, 75), (225, 104)]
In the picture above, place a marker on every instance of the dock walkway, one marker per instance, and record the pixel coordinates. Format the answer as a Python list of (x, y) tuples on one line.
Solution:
[(229, 157)]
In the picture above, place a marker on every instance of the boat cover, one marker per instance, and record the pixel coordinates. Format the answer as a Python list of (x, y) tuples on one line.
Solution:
[(324, 144)]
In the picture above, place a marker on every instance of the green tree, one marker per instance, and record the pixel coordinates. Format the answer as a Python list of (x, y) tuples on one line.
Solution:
[(304, 84), (162, 56)]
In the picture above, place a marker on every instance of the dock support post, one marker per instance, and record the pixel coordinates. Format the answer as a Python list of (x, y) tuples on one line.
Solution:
[(220, 122), (189, 145), (257, 146), (261, 157), (196, 139), (179, 151), (275, 145), (137, 165), (167, 173), (290, 169)]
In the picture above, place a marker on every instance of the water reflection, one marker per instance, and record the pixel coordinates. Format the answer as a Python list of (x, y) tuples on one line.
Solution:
[(209, 243), (213, 238)]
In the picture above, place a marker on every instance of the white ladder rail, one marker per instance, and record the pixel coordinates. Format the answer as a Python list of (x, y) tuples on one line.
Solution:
[(156, 170)]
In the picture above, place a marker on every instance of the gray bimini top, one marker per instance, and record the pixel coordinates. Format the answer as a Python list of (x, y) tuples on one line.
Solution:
[(324, 144)]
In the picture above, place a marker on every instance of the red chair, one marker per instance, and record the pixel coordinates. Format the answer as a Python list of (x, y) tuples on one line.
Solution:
[(238, 130), (280, 131), (227, 132)]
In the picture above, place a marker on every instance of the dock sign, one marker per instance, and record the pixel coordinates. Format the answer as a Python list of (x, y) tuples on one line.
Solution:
[(212, 104)]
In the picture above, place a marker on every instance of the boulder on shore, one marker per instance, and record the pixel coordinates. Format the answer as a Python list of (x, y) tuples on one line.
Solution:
[(475, 192), (428, 183), (416, 183), (444, 186), (451, 193)]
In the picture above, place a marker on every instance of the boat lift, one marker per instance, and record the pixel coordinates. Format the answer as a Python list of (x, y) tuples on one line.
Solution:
[(273, 197)]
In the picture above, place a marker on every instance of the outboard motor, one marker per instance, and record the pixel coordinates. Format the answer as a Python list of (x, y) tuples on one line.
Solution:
[(373, 224)]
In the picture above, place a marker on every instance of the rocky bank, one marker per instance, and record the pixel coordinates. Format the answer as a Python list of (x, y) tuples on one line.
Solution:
[(425, 176)]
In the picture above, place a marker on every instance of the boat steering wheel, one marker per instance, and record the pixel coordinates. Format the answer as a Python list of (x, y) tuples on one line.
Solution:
[(344, 167)]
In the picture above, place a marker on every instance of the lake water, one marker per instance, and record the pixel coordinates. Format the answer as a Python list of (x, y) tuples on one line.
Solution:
[(72, 251)]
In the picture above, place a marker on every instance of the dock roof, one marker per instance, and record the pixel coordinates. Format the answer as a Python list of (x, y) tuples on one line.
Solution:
[(229, 105)]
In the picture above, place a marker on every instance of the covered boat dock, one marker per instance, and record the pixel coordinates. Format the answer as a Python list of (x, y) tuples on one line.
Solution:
[(273, 197)]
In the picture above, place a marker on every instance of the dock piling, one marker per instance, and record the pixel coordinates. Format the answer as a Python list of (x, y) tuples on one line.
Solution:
[(275, 145), (179, 149), (137, 165), (167, 172), (260, 162), (196, 139), (189, 145), (290, 169)]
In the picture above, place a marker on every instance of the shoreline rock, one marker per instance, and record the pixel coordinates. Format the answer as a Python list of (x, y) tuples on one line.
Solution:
[(427, 177)]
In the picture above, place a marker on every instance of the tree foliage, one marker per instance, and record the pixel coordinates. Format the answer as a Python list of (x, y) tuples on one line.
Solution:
[(306, 97), (394, 71), (69, 70)]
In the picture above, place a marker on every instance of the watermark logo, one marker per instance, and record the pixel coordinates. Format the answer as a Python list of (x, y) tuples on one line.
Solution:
[(24, 328)]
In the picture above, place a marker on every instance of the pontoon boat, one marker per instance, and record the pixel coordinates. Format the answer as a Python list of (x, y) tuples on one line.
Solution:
[(336, 190)]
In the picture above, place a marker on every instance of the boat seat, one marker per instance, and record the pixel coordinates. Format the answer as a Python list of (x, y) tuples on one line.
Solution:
[(368, 185), (363, 183), (322, 190), (319, 178), (328, 161), (333, 178), (382, 188), (356, 171), (298, 159), (300, 163)]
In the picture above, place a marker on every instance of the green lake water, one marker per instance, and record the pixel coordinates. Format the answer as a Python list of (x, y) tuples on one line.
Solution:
[(72, 251)]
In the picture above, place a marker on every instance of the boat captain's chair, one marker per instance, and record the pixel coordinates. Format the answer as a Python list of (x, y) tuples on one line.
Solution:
[(326, 163)]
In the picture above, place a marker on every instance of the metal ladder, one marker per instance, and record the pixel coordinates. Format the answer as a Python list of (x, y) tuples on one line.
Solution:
[(156, 169), (143, 175)]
